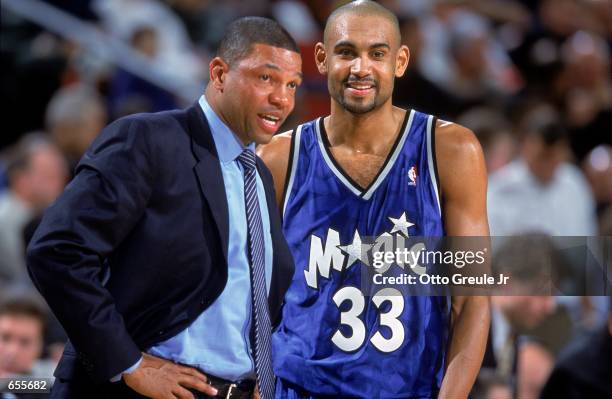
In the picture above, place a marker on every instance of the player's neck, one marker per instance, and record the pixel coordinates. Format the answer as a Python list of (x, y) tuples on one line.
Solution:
[(363, 131)]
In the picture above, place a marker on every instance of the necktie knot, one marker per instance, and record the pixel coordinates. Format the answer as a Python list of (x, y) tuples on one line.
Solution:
[(247, 159)]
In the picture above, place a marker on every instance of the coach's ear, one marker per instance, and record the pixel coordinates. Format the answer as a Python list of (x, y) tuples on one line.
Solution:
[(217, 71), (321, 58)]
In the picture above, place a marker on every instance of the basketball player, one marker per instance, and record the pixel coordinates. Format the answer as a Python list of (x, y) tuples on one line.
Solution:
[(366, 169)]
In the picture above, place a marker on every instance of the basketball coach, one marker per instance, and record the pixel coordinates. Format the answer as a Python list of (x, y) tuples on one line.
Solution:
[(163, 259)]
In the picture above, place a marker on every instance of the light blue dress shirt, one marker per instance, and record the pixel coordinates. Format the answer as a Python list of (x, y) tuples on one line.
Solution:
[(217, 342)]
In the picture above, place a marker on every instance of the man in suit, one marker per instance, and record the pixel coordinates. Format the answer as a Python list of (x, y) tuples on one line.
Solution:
[(158, 257)]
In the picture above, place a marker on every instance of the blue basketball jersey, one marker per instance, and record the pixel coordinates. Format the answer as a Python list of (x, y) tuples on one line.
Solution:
[(332, 339)]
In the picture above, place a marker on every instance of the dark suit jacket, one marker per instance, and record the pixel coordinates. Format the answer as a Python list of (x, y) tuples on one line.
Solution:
[(148, 203)]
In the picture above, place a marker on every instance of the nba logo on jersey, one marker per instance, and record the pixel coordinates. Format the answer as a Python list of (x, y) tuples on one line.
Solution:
[(412, 175)]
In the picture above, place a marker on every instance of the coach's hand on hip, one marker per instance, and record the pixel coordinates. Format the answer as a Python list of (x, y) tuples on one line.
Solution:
[(161, 379)]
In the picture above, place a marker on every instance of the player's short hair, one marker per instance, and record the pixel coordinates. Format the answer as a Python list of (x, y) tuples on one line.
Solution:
[(243, 33), (363, 8)]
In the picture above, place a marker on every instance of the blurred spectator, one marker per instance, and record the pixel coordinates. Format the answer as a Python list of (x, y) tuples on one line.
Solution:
[(584, 89), (22, 329), (605, 223), (473, 78), (584, 369), (461, 54), (490, 385), (597, 167), (75, 115), (494, 132), (414, 89), (176, 56), (541, 191), (37, 174), (524, 260), (131, 94), (539, 54), (32, 61), (534, 366)]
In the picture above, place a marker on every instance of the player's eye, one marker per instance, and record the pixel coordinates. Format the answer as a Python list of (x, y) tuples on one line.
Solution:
[(345, 52), (378, 54), (292, 85)]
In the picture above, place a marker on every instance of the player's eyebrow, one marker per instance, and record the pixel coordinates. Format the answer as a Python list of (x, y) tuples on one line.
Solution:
[(277, 68), (378, 45), (346, 43)]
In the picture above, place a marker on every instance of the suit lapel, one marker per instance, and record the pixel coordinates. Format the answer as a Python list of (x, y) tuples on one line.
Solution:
[(208, 172)]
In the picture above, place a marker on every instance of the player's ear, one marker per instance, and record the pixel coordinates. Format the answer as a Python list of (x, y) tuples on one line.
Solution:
[(320, 58), (401, 61), (218, 72)]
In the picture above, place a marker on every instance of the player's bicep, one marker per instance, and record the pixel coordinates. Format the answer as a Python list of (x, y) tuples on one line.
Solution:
[(463, 180), (276, 157)]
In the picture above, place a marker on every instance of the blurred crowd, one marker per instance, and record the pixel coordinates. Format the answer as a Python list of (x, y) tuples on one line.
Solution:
[(531, 78)]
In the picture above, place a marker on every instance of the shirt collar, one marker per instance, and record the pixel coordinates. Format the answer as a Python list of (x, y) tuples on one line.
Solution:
[(229, 147)]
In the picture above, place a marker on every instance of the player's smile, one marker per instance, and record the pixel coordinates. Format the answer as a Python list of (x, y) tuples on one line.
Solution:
[(361, 87)]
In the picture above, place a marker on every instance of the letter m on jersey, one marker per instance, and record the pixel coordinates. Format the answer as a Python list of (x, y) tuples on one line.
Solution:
[(322, 258)]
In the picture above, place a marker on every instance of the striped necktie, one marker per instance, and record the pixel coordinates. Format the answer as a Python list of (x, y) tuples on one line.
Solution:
[(261, 315)]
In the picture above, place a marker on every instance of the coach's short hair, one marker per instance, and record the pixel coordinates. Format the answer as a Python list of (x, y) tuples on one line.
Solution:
[(243, 33)]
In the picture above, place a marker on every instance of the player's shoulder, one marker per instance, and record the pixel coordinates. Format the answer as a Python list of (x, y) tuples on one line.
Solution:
[(275, 156), (455, 142), (277, 149), (458, 155)]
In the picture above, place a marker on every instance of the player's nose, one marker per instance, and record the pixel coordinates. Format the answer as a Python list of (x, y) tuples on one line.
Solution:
[(360, 66)]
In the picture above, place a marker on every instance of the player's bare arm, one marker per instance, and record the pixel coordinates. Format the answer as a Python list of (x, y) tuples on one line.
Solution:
[(275, 155), (463, 180)]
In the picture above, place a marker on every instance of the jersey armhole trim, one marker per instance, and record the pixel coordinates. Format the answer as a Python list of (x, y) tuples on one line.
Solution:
[(294, 153), (431, 158)]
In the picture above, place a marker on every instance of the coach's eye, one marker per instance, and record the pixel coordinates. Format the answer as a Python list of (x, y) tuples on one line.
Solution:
[(345, 52), (378, 54), (264, 77)]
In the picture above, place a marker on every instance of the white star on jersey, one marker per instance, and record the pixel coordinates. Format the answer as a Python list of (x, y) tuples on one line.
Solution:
[(356, 250), (401, 224)]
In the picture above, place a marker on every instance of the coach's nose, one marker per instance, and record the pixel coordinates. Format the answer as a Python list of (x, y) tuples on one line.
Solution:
[(280, 97)]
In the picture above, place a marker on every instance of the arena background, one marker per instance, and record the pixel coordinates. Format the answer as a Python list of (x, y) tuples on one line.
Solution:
[(531, 78)]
